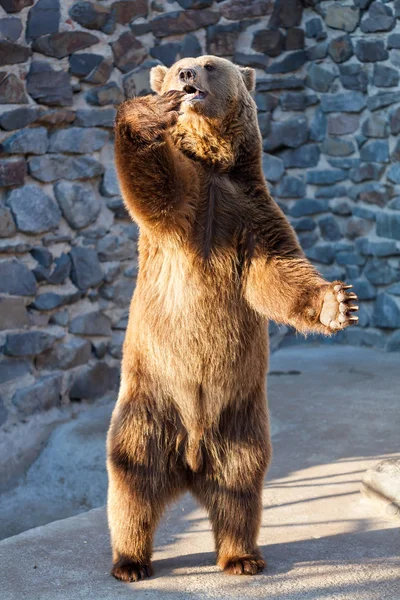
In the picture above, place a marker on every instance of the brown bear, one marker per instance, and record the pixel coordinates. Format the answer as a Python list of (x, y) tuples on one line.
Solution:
[(217, 259)]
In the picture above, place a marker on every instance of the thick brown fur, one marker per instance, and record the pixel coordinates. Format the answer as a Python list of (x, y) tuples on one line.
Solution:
[(217, 260)]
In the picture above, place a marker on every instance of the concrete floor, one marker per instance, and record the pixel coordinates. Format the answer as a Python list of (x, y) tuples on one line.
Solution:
[(335, 418)]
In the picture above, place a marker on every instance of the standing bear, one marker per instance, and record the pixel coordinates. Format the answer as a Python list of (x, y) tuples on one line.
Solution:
[(217, 259)]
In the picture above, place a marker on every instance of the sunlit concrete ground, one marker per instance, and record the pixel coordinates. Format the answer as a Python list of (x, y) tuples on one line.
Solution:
[(333, 417)]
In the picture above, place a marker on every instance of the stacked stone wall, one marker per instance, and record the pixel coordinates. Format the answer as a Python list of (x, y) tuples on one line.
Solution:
[(328, 94)]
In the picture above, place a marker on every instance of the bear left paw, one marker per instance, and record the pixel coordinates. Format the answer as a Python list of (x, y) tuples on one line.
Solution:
[(249, 564), (337, 307)]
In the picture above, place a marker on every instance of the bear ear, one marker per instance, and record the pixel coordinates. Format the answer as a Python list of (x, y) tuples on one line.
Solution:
[(157, 75), (249, 77)]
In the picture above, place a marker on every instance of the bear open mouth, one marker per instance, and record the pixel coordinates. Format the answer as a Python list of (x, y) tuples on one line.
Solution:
[(194, 93)]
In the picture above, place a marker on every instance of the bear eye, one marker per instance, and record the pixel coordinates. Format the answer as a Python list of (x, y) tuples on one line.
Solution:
[(209, 67)]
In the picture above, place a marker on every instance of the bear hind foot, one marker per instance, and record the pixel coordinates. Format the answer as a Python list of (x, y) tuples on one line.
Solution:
[(130, 570), (248, 564)]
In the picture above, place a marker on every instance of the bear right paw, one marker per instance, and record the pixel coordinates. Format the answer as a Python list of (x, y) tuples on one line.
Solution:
[(131, 570), (249, 564)]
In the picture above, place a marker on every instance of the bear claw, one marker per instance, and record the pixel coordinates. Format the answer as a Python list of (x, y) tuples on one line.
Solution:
[(338, 306)]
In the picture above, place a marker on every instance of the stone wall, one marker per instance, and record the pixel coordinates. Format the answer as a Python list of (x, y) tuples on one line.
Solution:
[(328, 93)]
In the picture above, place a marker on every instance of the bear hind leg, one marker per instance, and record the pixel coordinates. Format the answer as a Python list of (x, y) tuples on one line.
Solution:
[(142, 481)]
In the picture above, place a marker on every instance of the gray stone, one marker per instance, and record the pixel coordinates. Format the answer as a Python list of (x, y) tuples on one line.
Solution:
[(221, 39), (64, 43), (286, 14), (191, 46), (368, 50), (13, 6), (51, 297), (78, 140), (33, 211), (264, 122), (393, 173), (86, 270), (365, 213), (66, 354), (388, 225), (382, 99), (27, 141), (11, 53), (380, 272), (18, 117), (343, 124), (314, 28), (394, 289), (48, 86), (43, 256), (318, 126), (55, 116), (393, 41), (375, 151), (82, 64), (42, 395), (354, 77), (340, 207), (297, 100), (341, 49), (364, 289), (326, 176), (92, 382), (109, 185), (395, 121), (393, 343), (380, 18), (117, 206), (137, 82), (7, 225), (307, 239), (395, 203), (13, 368), (303, 157), (128, 52), (308, 206), (13, 314), (116, 343), (342, 17), (79, 203), (120, 292), (60, 318), (337, 147), (319, 51), (372, 193), (128, 10), (384, 76), (377, 125), (48, 168), (329, 228), (291, 187), (12, 89), (107, 94), (324, 254), (269, 41), (350, 258), (43, 18), (272, 167), (266, 102), (30, 343), (319, 78), (16, 278), (90, 15), (304, 224), (290, 62), (292, 133), (386, 312), (367, 171), (118, 245), (380, 248), (352, 102), (235, 9), (95, 117), (12, 172), (166, 53), (331, 191), (294, 39), (344, 163), (281, 83)]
